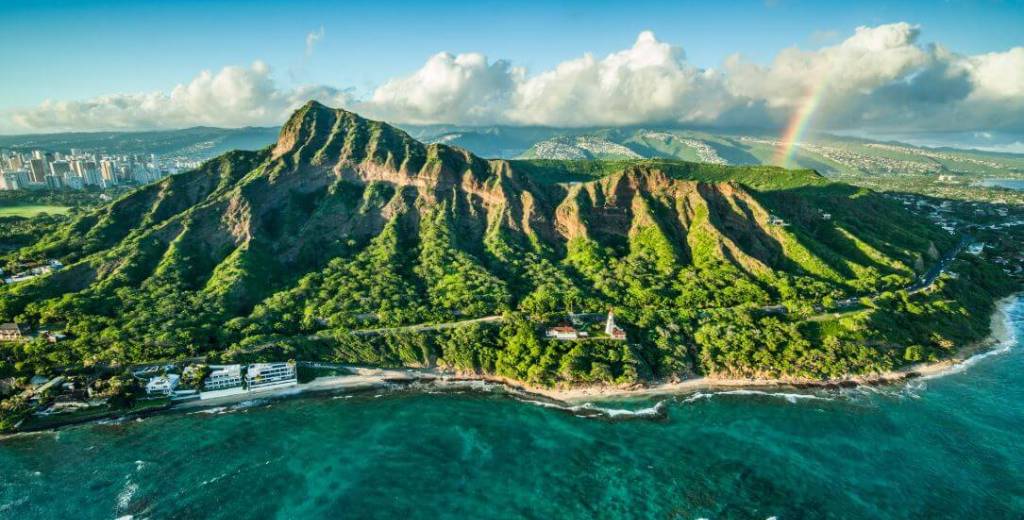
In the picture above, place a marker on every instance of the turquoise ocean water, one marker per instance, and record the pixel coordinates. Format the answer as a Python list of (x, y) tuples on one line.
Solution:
[(947, 447), (1012, 184)]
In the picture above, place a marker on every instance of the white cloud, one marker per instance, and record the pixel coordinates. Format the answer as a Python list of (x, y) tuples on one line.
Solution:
[(649, 82), (312, 38), (232, 97), (879, 78), (452, 89)]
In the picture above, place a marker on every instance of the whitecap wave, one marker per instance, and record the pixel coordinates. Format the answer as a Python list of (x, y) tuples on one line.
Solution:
[(788, 396), (249, 404), (593, 410), (13, 504), (1004, 345), (212, 411), (124, 498)]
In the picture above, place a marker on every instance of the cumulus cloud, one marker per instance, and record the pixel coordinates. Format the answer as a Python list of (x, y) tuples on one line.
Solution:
[(312, 37), (466, 88), (878, 78), (232, 97), (649, 82)]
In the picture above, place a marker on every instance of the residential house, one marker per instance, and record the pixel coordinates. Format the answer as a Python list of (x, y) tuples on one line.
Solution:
[(223, 376), (10, 332), (564, 331), (259, 376), (164, 384)]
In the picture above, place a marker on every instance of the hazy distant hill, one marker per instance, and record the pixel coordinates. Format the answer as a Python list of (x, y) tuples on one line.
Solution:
[(825, 153), (197, 143)]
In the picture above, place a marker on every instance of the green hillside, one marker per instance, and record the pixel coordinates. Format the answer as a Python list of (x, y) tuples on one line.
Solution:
[(323, 245)]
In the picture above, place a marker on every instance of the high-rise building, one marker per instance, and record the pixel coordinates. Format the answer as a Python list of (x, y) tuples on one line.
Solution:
[(54, 182), (92, 177), (78, 166), (108, 169), (9, 181), (37, 168), (60, 168), (75, 182)]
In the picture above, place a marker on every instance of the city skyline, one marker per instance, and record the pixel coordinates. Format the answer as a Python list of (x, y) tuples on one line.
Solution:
[(77, 169)]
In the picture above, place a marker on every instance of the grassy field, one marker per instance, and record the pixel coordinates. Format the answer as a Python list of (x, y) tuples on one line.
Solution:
[(31, 211)]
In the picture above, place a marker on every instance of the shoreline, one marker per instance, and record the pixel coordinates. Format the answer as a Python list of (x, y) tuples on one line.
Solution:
[(367, 379), (1001, 332), (577, 399)]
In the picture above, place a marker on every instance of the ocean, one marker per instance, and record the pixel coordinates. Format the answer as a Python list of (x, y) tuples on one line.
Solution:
[(943, 447), (1013, 184)]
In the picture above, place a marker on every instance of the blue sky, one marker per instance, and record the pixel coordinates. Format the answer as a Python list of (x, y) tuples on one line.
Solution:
[(77, 50)]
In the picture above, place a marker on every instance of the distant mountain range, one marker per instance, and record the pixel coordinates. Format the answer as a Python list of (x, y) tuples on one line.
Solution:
[(827, 154)]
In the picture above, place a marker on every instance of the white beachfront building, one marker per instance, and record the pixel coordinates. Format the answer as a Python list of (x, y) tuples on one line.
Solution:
[(223, 380), (164, 384), (262, 376), (223, 376)]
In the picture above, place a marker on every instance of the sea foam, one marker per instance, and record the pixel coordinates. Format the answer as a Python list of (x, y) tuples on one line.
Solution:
[(790, 397), (658, 410)]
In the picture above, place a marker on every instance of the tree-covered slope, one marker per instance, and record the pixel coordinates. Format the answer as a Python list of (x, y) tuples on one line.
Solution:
[(345, 230)]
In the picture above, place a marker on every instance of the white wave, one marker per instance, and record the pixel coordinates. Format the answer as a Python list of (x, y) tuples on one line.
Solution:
[(11, 505), (214, 410), (592, 410), (249, 404), (1004, 345), (124, 498), (790, 397), (697, 396), (652, 411), (1003, 348), (214, 479)]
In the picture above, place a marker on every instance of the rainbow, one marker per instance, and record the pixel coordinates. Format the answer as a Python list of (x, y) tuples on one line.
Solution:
[(798, 123)]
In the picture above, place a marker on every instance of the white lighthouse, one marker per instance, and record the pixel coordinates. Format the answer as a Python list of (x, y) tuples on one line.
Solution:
[(611, 329)]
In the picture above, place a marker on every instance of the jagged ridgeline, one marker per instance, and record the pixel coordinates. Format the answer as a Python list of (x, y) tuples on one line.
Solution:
[(347, 224)]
